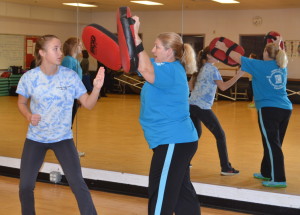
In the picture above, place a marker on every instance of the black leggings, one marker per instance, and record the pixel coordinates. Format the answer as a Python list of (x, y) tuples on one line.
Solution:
[(209, 119), (170, 187), (273, 123), (32, 159)]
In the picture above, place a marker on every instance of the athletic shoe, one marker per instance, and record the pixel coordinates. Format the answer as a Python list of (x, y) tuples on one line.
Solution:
[(274, 184), (260, 176), (81, 154), (251, 105), (232, 171)]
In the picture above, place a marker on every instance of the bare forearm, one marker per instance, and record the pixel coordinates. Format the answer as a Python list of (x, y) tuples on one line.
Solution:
[(24, 110), (235, 56), (89, 101), (227, 84), (145, 67)]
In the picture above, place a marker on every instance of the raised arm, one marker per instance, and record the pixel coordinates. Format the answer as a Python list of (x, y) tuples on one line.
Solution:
[(89, 101), (145, 66), (225, 85), (233, 55)]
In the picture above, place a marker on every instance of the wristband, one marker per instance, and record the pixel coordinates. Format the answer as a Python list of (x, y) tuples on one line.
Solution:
[(139, 48)]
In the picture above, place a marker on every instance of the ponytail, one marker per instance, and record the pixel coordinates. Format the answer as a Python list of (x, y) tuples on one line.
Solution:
[(281, 59), (276, 53), (188, 59), (201, 60), (182, 51)]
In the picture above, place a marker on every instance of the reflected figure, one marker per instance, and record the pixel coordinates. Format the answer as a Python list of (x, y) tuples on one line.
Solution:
[(273, 106), (203, 85)]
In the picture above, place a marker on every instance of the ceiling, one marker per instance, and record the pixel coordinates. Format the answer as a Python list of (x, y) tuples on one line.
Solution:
[(112, 5)]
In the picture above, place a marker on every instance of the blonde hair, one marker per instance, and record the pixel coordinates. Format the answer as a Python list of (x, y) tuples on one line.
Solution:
[(182, 51), (276, 53), (40, 45), (70, 46)]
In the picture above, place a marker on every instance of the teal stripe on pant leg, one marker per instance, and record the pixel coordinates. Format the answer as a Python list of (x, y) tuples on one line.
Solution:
[(163, 179), (267, 142)]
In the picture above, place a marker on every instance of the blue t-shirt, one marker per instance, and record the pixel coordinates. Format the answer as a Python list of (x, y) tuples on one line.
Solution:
[(204, 91), (268, 82), (73, 64), (51, 97), (164, 114)]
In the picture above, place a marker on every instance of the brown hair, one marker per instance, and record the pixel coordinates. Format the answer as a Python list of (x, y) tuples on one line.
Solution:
[(201, 60), (70, 46), (40, 45), (276, 53), (182, 51)]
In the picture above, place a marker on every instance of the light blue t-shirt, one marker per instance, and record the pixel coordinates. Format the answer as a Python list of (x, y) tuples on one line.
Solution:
[(204, 91), (164, 114), (269, 83), (51, 97), (73, 64)]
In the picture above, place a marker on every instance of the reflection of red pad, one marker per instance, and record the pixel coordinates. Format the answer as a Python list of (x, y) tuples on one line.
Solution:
[(222, 56), (272, 36), (102, 45), (129, 55)]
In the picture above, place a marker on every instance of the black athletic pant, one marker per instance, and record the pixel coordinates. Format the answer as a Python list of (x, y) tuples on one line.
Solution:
[(74, 110), (273, 123), (32, 160), (209, 119), (170, 187)]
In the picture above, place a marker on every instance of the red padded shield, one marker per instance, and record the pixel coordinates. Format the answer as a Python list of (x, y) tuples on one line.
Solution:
[(222, 56), (102, 45), (129, 55), (272, 36)]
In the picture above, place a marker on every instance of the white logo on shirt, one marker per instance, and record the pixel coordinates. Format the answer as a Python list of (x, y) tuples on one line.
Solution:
[(276, 79)]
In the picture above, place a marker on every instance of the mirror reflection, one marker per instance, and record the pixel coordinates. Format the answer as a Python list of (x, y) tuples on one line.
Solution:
[(110, 135)]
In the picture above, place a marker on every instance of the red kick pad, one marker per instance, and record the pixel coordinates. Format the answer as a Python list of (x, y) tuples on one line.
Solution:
[(129, 55), (102, 45), (222, 56), (272, 36)]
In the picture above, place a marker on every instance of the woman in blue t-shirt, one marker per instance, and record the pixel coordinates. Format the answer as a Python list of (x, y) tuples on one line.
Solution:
[(274, 108), (203, 85), (167, 125), (71, 48), (51, 90)]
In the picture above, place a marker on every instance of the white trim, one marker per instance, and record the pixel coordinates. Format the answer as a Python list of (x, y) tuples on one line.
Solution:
[(225, 192)]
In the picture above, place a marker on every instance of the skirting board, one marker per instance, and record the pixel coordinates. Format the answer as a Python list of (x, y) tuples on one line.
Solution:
[(254, 201)]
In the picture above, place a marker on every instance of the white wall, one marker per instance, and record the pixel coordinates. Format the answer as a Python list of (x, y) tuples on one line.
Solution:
[(29, 20)]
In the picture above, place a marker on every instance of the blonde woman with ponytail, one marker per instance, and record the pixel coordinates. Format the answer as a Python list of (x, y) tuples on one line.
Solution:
[(273, 106), (167, 125), (203, 85)]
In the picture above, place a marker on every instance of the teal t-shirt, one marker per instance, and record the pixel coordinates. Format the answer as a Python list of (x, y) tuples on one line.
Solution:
[(268, 82), (164, 113), (52, 97), (73, 64)]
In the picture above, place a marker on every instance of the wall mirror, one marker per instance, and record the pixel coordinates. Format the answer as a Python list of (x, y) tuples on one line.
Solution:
[(110, 134)]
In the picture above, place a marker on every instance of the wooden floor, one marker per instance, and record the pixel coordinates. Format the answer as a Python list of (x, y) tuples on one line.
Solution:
[(112, 139), (57, 199)]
